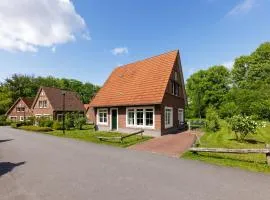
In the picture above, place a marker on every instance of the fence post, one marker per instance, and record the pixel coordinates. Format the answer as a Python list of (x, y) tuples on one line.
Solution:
[(268, 154)]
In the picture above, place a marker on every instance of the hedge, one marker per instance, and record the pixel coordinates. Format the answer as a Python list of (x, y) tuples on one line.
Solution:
[(36, 128)]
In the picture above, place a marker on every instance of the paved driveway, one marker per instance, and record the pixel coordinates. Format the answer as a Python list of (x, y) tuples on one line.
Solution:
[(37, 166), (171, 145)]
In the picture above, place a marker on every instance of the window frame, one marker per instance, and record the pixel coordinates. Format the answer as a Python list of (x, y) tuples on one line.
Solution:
[(21, 118), (42, 102), (170, 125), (144, 117), (98, 119), (181, 110)]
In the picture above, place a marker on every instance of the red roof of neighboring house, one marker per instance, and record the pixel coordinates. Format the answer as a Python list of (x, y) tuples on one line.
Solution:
[(140, 83), (27, 100), (55, 97), (86, 106)]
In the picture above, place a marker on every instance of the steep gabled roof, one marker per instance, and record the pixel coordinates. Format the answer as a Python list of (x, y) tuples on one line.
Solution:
[(27, 100), (140, 83), (55, 97)]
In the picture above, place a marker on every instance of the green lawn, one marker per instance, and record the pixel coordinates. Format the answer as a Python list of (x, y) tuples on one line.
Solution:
[(226, 139), (89, 135)]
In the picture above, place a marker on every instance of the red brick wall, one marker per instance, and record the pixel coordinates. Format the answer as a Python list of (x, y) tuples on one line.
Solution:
[(13, 112), (122, 116), (42, 111), (171, 100)]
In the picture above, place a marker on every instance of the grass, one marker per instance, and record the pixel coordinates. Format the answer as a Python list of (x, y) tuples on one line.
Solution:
[(88, 134), (225, 138)]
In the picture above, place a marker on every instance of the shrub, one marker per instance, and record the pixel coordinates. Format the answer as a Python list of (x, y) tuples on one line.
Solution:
[(228, 110), (69, 121), (212, 120), (57, 125), (17, 124), (45, 122), (31, 120), (3, 121), (36, 128), (79, 122), (244, 125)]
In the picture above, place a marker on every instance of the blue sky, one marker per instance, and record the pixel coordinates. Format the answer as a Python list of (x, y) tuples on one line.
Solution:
[(86, 40)]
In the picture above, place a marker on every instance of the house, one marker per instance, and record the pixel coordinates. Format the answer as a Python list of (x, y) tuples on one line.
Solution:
[(21, 109), (147, 94), (50, 102)]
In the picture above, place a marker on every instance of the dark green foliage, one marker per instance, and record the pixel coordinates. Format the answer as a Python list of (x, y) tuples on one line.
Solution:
[(44, 122), (57, 125), (212, 120), (244, 90), (36, 128), (27, 86), (207, 87), (79, 122), (17, 124), (3, 121)]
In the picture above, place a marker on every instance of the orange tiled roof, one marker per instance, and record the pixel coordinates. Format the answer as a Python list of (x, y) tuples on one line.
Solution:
[(139, 83)]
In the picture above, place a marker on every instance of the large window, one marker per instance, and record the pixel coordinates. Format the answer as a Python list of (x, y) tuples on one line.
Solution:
[(140, 117), (42, 104), (102, 116), (168, 117)]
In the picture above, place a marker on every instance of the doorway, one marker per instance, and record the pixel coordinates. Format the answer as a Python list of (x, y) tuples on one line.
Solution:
[(114, 118)]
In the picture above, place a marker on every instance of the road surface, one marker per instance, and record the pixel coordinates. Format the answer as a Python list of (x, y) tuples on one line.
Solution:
[(37, 166)]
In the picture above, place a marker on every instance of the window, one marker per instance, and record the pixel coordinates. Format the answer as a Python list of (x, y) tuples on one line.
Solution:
[(180, 115), (21, 118), (168, 117), (20, 109), (102, 116), (130, 115), (149, 117), (42, 104), (140, 117), (59, 117), (13, 118), (175, 88), (175, 76)]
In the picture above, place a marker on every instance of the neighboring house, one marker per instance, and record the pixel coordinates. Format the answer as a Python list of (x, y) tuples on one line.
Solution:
[(49, 103), (148, 94), (21, 109), (90, 113)]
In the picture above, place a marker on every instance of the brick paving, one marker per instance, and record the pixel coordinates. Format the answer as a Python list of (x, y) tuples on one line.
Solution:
[(171, 145)]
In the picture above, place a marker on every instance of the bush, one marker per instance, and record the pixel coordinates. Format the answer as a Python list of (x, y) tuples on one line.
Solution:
[(17, 124), (57, 125), (3, 121), (36, 128), (212, 120), (227, 110), (45, 122), (79, 122), (69, 121), (244, 125)]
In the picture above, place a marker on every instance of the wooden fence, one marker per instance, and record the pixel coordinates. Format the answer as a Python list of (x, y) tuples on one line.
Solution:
[(265, 151)]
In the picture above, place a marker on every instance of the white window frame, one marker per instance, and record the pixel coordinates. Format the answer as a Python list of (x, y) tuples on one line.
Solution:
[(38, 115), (181, 110), (144, 118), (21, 118), (171, 117), (97, 117), (43, 104), (111, 117), (10, 117)]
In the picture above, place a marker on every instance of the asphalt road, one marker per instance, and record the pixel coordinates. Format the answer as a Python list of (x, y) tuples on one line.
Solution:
[(37, 166)]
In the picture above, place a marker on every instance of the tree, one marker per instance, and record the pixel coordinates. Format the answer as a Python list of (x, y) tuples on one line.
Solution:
[(207, 87)]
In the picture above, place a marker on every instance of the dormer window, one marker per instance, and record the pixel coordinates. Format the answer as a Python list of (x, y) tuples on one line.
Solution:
[(175, 76)]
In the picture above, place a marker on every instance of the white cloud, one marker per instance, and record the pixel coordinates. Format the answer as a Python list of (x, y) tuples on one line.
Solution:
[(26, 25), (119, 51), (244, 7), (228, 64)]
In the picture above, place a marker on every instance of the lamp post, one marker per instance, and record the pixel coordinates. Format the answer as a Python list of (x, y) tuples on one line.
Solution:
[(64, 107)]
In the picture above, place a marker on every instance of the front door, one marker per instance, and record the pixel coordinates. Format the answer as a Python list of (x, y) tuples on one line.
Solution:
[(114, 119)]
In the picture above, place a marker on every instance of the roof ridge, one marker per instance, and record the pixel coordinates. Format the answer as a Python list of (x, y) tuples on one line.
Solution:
[(148, 58)]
